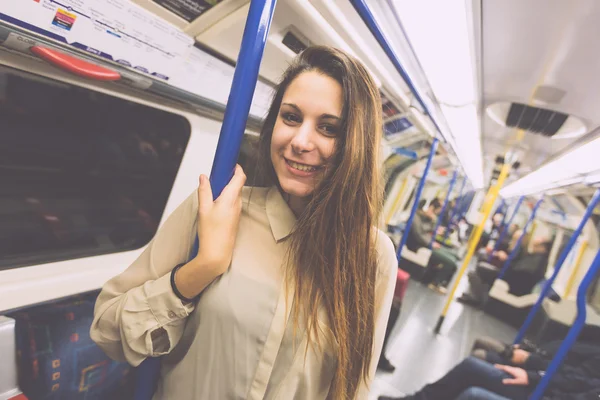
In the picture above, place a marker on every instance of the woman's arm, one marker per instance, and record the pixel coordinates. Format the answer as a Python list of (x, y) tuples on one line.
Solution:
[(137, 314), (387, 271)]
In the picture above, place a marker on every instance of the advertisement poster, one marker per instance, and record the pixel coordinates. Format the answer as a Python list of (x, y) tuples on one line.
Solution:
[(188, 9), (118, 30)]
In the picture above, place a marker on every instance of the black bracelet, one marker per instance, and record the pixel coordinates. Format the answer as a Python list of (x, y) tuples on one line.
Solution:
[(174, 286)]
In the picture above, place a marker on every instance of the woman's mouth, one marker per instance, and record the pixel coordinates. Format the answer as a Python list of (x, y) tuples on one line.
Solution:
[(301, 169)]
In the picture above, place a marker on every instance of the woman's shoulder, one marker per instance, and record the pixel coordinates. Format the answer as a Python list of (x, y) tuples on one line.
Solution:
[(387, 263)]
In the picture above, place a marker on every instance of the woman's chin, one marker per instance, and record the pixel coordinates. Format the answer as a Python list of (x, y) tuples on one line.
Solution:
[(296, 189)]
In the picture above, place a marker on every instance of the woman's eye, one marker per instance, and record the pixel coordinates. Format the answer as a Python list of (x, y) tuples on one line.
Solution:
[(291, 117), (329, 130)]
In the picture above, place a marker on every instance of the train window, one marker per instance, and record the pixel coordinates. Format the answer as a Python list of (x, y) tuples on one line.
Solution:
[(83, 173)]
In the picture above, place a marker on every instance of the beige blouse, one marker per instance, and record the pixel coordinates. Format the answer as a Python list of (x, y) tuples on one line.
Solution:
[(237, 342)]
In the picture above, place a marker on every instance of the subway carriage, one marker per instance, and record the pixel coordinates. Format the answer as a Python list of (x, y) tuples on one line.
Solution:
[(486, 141)]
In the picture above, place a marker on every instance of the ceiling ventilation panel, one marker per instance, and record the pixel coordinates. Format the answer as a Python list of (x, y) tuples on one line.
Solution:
[(534, 119), (542, 121)]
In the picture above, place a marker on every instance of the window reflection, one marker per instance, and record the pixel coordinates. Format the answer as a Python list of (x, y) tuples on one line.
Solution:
[(82, 173)]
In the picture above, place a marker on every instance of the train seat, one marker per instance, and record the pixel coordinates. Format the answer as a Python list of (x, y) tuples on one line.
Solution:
[(415, 263), (57, 359), (553, 321), (9, 388), (508, 307)]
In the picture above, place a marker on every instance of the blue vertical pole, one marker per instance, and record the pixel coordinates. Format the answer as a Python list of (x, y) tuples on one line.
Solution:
[(465, 204), (245, 77), (500, 209), (413, 211), (506, 226), (574, 331), (588, 212), (441, 216), (455, 208), (515, 251)]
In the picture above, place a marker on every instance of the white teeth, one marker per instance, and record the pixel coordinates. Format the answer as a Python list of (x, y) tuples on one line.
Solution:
[(301, 167)]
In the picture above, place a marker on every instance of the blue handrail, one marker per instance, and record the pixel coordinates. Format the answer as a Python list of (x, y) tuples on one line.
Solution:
[(441, 216), (415, 205), (406, 152), (506, 226), (500, 209), (548, 285), (515, 251), (454, 212), (574, 331), (245, 77)]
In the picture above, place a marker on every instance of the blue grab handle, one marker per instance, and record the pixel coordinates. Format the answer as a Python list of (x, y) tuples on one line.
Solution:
[(415, 205), (574, 332), (245, 77), (588, 212), (506, 225), (515, 251), (439, 219), (456, 207)]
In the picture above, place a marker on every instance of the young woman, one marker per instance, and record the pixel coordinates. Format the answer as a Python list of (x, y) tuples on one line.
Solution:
[(290, 293)]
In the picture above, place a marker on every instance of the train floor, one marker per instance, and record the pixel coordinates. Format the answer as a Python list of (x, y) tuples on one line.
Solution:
[(419, 355)]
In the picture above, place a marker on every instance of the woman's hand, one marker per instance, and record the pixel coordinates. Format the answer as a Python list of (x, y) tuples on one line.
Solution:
[(218, 223)]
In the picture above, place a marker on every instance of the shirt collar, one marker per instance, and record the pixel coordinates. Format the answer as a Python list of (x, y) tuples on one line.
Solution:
[(281, 217)]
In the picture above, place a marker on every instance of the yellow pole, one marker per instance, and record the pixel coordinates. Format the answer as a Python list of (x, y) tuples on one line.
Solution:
[(396, 202), (533, 228), (575, 271), (488, 204)]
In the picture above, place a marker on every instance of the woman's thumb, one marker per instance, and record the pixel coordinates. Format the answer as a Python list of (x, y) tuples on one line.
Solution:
[(205, 195)]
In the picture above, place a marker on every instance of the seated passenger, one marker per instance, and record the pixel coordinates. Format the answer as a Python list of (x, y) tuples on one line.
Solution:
[(515, 376), (525, 271), (522, 276), (491, 230), (505, 243), (487, 271), (442, 263), (421, 229)]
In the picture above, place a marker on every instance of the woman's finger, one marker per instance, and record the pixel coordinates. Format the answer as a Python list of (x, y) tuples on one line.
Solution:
[(234, 188), (205, 195)]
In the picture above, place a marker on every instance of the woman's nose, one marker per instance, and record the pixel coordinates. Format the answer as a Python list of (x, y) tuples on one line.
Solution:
[(302, 142)]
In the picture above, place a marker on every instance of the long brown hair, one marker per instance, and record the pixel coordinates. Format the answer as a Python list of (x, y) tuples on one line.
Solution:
[(332, 256)]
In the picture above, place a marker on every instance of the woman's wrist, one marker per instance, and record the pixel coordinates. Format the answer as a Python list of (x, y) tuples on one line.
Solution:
[(193, 277)]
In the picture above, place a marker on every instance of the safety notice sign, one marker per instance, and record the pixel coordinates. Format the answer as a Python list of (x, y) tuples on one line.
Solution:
[(188, 9)]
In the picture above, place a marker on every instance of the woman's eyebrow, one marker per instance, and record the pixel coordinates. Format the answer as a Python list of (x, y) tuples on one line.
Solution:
[(294, 106)]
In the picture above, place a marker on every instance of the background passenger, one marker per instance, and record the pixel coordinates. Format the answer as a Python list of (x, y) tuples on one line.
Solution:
[(486, 272), (514, 376), (290, 292)]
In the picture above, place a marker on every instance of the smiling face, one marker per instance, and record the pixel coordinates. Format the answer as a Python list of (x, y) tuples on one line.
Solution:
[(306, 131)]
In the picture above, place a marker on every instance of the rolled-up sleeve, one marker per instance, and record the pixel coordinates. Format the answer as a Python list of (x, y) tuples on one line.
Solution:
[(137, 315), (387, 270)]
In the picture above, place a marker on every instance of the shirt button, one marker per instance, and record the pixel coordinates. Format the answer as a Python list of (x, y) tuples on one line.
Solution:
[(171, 314)]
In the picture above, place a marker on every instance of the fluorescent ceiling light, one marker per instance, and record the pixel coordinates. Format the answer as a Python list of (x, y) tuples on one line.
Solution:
[(447, 59), (568, 169)]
